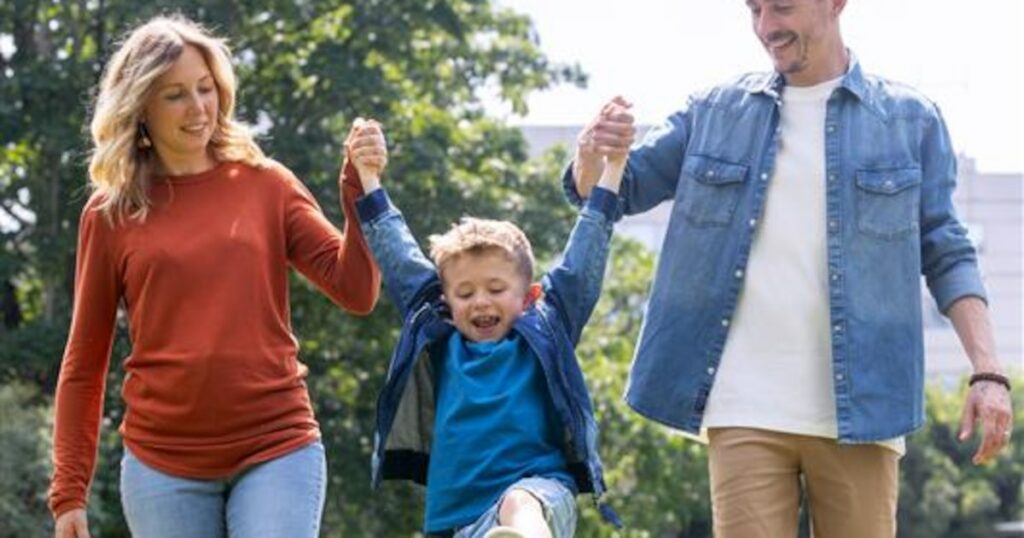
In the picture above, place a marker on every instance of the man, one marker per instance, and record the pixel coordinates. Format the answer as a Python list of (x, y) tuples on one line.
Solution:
[(785, 316)]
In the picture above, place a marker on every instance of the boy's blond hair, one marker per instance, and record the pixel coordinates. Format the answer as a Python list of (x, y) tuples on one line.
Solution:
[(476, 236)]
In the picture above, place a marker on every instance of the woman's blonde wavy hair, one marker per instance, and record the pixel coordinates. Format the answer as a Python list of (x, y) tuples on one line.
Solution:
[(120, 170)]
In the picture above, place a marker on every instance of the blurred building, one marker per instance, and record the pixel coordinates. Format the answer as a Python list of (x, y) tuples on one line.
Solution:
[(992, 206)]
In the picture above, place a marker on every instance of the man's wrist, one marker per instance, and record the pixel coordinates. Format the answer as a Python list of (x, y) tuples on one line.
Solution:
[(579, 172), (585, 175), (988, 364), (990, 377)]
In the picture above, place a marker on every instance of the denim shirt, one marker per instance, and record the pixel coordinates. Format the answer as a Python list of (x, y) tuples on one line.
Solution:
[(551, 328), (890, 174)]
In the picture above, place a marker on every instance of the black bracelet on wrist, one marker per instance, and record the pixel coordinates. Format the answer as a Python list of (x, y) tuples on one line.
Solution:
[(990, 376)]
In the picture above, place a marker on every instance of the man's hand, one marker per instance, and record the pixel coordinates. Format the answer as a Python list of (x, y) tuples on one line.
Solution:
[(609, 135), (72, 524), (988, 404), (366, 148)]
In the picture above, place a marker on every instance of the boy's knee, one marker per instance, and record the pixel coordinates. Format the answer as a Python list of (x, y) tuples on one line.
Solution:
[(515, 503)]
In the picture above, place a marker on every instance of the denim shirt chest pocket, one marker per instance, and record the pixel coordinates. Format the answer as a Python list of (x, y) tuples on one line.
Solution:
[(711, 189), (888, 201)]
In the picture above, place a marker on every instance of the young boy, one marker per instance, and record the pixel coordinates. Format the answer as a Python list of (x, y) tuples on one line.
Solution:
[(484, 395)]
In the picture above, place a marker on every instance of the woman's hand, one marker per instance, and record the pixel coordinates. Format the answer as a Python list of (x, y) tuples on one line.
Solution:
[(72, 524)]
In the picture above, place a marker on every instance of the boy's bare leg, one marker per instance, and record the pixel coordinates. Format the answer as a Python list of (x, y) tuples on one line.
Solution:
[(523, 512)]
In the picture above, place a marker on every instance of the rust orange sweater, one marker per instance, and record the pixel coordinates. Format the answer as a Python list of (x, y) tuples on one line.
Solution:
[(212, 384)]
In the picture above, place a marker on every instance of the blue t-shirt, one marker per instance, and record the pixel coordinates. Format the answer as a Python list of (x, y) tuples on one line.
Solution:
[(495, 424)]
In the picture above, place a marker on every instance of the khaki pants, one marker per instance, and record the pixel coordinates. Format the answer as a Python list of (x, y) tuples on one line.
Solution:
[(756, 484)]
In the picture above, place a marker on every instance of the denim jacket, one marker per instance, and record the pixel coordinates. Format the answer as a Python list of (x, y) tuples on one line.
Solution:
[(890, 173), (551, 328)]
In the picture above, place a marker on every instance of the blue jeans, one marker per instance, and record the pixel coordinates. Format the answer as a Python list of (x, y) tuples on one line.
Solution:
[(283, 497)]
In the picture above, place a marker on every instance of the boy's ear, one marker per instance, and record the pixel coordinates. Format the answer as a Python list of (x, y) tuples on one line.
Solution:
[(533, 294)]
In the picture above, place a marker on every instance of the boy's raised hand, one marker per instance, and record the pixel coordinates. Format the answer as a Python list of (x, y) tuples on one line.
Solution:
[(615, 157), (366, 148), (610, 133)]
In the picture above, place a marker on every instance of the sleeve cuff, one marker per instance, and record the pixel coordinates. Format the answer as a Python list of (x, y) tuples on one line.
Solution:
[(373, 205), (569, 187), (956, 284), (60, 508), (606, 202), (350, 176)]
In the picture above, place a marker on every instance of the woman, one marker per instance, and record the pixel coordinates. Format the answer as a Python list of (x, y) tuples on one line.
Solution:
[(193, 229)]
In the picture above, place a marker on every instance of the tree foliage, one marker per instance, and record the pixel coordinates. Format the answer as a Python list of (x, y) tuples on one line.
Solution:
[(24, 468)]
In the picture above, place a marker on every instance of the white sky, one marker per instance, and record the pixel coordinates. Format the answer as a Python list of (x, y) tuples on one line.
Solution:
[(968, 56)]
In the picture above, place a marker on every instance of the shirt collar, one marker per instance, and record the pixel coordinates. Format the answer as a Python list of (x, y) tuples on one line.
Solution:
[(853, 81)]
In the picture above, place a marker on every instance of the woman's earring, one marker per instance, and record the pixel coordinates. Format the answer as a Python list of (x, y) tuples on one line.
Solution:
[(144, 142)]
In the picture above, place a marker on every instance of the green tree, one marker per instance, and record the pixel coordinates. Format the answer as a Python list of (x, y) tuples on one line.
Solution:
[(24, 467), (657, 479)]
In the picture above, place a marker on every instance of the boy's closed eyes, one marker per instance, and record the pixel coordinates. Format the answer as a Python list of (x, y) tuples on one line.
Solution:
[(486, 293)]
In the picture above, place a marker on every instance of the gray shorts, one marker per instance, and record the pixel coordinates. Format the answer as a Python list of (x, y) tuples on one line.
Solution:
[(558, 502)]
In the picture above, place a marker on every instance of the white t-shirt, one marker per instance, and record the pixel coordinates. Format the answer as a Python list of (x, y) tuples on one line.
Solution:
[(776, 369)]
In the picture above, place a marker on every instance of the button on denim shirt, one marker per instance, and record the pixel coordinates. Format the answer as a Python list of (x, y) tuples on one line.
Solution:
[(551, 327), (890, 173)]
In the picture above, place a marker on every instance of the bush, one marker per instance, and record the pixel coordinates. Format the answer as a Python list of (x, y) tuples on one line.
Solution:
[(25, 465)]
